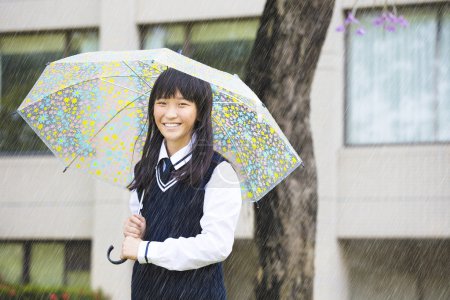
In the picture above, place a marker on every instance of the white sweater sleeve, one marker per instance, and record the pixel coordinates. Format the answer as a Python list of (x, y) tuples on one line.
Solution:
[(134, 202), (221, 208)]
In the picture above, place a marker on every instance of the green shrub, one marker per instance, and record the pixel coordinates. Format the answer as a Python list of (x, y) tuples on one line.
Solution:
[(10, 292)]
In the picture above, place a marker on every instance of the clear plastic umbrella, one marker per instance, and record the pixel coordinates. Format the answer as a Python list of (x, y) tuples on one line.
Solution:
[(90, 110)]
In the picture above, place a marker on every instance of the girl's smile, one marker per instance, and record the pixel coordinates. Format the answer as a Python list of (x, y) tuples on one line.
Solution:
[(175, 118)]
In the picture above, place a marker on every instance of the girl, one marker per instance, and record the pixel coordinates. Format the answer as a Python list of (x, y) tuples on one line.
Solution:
[(188, 196)]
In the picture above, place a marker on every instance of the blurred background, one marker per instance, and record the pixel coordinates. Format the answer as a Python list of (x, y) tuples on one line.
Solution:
[(380, 117)]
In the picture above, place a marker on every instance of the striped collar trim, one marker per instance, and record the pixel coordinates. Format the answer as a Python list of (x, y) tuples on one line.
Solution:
[(164, 186), (179, 155)]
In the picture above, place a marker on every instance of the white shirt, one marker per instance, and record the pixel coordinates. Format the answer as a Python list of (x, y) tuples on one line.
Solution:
[(221, 208)]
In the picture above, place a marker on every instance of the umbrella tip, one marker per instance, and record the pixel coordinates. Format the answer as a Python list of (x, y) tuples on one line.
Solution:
[(180, 51), (47, 63), (302, 164), (65, 169)]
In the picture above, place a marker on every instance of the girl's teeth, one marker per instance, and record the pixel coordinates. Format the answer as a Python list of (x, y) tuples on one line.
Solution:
[(172, 125)]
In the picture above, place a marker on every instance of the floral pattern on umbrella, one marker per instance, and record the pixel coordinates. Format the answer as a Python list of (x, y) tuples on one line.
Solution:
[(92, 114)]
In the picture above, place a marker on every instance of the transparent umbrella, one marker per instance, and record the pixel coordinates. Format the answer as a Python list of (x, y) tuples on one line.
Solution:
[(91, 110)]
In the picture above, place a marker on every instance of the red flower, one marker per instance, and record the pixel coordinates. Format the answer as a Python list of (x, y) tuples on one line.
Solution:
[(65, 296), (53, 296)]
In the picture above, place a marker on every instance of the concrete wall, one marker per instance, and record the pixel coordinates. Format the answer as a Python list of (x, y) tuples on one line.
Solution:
[(374, 192), (38, 200), (394, 191), (22, 15), (326, 121)]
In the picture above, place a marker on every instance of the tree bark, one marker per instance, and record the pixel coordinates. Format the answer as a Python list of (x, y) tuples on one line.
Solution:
[(280, 71)]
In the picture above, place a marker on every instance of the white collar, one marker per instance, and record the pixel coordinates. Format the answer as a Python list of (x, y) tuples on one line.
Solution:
[(179, 154)]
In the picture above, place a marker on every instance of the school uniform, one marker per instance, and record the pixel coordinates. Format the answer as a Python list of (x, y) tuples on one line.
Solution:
[(190, 231)]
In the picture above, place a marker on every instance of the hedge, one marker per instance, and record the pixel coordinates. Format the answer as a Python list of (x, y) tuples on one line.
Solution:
[(10, 292)]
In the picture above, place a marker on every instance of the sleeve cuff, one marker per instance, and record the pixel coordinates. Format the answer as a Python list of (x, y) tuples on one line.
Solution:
[(143, 252)]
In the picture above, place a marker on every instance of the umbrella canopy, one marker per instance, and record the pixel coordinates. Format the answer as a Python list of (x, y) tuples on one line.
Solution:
[(90, 110)]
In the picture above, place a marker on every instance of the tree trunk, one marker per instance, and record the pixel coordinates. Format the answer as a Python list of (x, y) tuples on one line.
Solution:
[(280, 71)]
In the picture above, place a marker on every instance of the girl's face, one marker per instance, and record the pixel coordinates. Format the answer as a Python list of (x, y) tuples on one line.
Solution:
[(175, 119)]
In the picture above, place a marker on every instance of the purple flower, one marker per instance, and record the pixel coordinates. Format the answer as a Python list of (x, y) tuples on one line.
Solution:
[(360, 31), (393, 18), (351, 19), (378, 21), (402, 21), (340, 28), (390, 28), (389, 21)]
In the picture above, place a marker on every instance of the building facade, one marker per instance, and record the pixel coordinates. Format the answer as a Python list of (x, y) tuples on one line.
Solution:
[(380, 116)]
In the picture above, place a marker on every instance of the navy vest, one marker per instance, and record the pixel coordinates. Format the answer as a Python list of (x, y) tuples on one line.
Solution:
[(176, 213)]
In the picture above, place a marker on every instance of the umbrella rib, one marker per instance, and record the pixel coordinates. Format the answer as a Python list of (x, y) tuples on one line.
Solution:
[(134, 147), (142, 94), (104, 125), (84, 81), (145, 81)]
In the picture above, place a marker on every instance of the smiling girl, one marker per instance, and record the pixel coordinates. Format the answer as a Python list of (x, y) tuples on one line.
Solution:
[(185, 198)]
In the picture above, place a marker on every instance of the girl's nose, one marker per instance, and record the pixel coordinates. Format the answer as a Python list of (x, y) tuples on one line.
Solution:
[(171, 111)]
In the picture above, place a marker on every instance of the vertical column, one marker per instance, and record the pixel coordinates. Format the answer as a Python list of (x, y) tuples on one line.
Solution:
[(118, 31), (118, 28), (327, 121), (110, 211)]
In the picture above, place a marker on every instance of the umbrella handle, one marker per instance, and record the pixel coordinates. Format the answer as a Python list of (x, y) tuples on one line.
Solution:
[(116, 262)]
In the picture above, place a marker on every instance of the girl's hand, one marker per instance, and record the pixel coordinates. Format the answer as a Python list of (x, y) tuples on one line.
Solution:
[(130, 248), (134, 226)]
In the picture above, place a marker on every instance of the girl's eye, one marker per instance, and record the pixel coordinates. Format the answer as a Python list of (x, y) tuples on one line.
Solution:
[(161, 102)]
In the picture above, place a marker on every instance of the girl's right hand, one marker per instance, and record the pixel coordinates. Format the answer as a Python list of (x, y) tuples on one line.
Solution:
[(134, 226)]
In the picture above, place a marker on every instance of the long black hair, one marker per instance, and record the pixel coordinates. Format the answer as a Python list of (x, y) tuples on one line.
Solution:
[(194, 90)]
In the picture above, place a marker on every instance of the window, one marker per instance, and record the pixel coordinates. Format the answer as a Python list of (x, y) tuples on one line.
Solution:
[(398, 88), (47, 264), (225, 45), (23, 57), (11, 262)]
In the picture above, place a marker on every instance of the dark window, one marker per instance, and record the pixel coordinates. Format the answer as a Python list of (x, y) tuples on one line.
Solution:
[(225, 45), (23, 57), (45, 263)]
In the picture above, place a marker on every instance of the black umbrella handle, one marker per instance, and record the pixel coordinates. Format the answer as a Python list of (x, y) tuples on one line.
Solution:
[(116, 262)]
